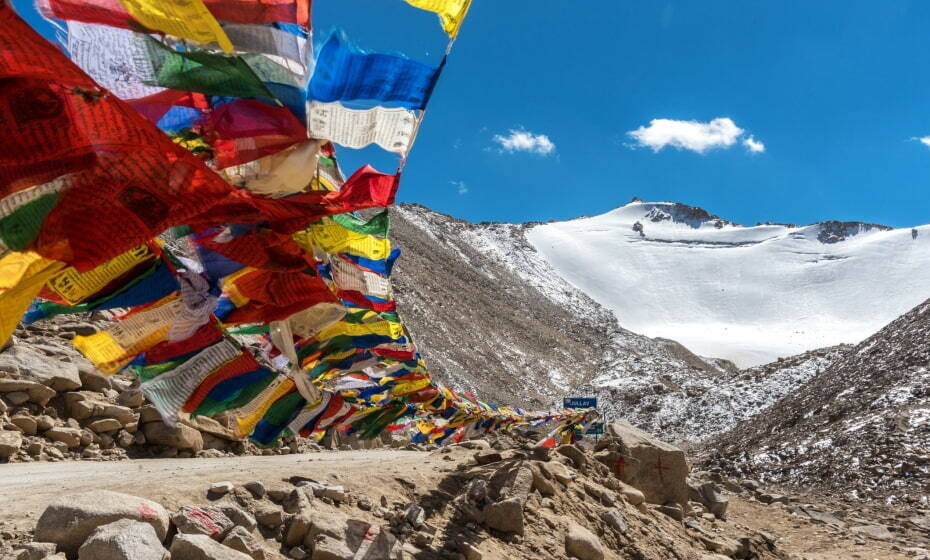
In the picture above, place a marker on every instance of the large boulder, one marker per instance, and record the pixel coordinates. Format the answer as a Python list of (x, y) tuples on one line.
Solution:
[(180, 436), (71, 518), (125, 539), (658, 469), (25, 363), (583, 544), (193, 520), (202, 547)]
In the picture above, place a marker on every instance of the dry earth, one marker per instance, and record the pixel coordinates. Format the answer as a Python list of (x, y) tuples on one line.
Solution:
[(26, 489)]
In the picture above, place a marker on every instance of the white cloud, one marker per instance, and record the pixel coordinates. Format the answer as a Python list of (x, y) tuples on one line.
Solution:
[(925, 141), (754, 145), (696, 136), (461, 187), (523, 141)]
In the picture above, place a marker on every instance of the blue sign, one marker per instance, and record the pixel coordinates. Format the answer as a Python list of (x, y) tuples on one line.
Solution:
[(580, 402)]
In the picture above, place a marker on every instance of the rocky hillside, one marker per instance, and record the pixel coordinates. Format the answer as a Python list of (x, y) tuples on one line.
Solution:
[(493, 316), (862, 427)]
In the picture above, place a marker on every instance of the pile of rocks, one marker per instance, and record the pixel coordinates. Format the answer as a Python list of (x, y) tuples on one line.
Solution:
[(492, 502), (54, 405)]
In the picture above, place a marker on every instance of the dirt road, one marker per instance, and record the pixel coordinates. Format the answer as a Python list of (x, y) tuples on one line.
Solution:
[(27, 488)]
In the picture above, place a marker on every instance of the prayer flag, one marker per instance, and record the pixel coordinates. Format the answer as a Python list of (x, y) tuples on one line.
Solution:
[(392, 129), (451, 12), (343, 72), (187, 19)]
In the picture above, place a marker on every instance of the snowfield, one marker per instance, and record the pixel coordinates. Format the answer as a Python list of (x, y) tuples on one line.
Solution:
[(748, 294)]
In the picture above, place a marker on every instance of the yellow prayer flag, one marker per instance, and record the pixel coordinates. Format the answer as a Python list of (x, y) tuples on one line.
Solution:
[(451, 12), (187, 19), (22, 276), (381, 328), (330, 237), (75, 287)]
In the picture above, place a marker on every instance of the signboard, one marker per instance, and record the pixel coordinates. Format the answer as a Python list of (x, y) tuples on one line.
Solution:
[(580, 402), (596, 429)]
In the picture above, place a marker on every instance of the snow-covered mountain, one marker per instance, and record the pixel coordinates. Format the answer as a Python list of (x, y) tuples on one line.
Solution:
[(747, 294)]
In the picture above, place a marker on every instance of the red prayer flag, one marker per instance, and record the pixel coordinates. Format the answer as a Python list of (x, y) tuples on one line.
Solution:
[(112, 12), (275, 296)]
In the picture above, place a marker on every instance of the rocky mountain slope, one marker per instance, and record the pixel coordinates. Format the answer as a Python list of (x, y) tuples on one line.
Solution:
[(862, 426), (494, 316), (748, 294)]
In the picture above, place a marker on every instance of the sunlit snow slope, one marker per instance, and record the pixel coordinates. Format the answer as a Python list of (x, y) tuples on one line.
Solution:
[(749, 294)]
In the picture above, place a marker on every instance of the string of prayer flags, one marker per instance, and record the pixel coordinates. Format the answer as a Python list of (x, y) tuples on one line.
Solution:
[(344, 72), (451, 13)]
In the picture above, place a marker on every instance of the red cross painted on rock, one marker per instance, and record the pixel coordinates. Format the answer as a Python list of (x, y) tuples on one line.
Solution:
[(620, 465), (660, 468)]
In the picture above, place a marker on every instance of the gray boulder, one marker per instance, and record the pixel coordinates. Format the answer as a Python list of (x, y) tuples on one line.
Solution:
[(179, 437), (71, 518), (125, 539), (202, 547), (25, 363), (660, 469), (506, 515)]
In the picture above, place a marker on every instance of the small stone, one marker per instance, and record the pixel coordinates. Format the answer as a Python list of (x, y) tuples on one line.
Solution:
[(125, 539), (268, 515), (364, 504), (220, 489), (328, 548), (506, 515), (27, 424), (614, 519), (202, 547), (415, 515), (256, 488), (298, 553), (69, 436), (34, 551), (10, 442), (583, 544), (104, 425), (488, 456), (209, 521)]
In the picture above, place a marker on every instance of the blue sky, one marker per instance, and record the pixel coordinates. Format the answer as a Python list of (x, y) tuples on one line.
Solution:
[(835, 91)]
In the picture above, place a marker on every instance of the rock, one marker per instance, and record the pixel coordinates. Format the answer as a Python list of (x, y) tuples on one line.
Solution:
[(131, 398), (332, 525), (513, 482), (210, 521), (713, 498), (10, 442), (661, 470), (35, 392), (541, 453), (364, 504), (297, 528), (415, 515), (470, 551), (125, 439), (506, 515), (633, 496), (298, 553), (877, 532), (239, 516), (92, 380), (125, 539), (331, 549), (17, 398), (179, 437), (24, 362), (615, 520), (576, 455), (220, 489), (541, 482), (202, 547), (476, 444), (672, 510), (242, 540), (487, 456), (256, 488), (35, 551), (559, 471), (334, 493), (298, 499), (268, 515), (26, 423), (44, 422), (68, 436), (583, 544), (70, 518), (104, 425)]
